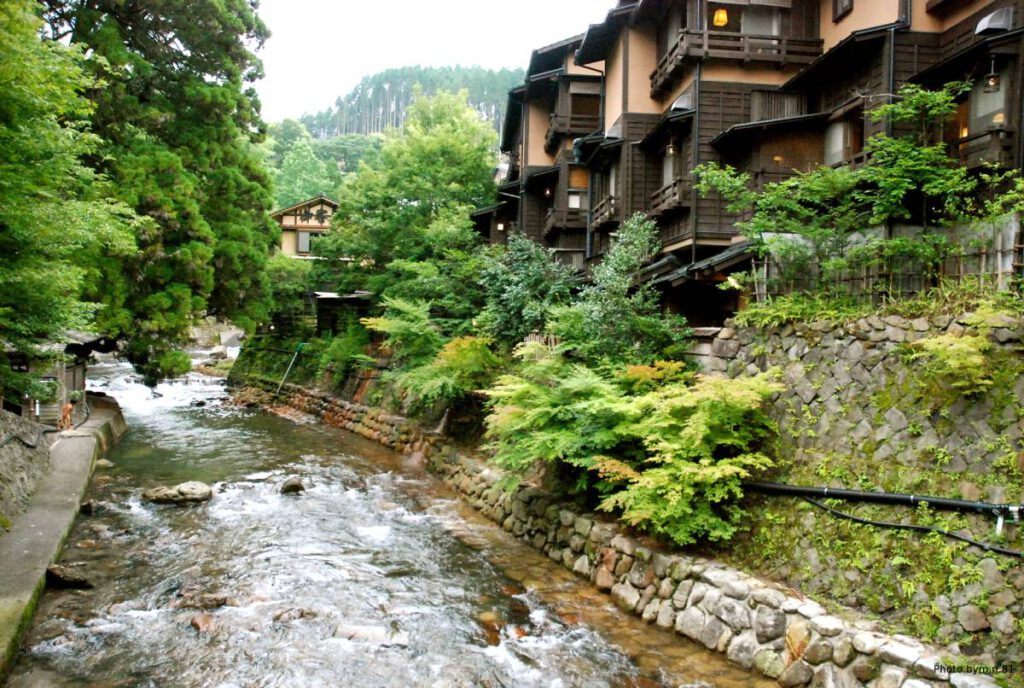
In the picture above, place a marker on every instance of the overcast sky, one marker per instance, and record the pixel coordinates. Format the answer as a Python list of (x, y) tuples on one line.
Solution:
[(320, 49)]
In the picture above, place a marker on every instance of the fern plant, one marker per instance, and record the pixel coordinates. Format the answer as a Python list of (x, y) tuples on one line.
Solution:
[(464, 365)]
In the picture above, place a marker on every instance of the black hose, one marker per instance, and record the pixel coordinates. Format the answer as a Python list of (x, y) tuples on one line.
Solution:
[(921, 529), (897, 498)]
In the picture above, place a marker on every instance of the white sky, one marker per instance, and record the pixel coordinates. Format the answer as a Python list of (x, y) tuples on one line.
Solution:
[(320, 49)]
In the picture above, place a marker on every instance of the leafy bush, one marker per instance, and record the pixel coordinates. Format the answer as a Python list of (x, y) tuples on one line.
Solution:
[(522, 284), (667, 447), (959, 362), (345, 352), (464, 365), (557, 412), (702, 439), (412, 338), (615, 321)]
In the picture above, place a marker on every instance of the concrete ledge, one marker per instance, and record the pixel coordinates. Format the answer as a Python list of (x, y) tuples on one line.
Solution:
[(37, 535)]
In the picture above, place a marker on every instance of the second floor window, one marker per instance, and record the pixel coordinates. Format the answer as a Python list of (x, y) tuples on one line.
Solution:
[(303, 242), (754, 20)]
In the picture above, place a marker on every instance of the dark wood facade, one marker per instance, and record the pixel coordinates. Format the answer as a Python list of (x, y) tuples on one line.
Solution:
[(771, 87)]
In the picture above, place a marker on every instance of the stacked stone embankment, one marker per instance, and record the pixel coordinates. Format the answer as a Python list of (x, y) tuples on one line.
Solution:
[(24, 459), (756, 624)]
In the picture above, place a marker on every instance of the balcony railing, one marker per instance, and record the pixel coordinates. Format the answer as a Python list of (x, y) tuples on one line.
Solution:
[(730, 45), (565, 218), (992, 146), (606, 210), (571, 258), (569, 125), (676, 194)]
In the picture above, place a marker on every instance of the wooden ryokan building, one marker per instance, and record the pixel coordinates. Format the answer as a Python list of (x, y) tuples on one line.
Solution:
[(768, 86)]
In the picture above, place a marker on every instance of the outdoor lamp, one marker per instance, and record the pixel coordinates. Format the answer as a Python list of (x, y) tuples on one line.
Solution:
[(501, 227), (992, 78), (721, 17), (671, 149)]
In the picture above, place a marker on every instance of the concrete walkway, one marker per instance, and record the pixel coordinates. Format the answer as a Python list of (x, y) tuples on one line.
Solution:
[(37, 535)]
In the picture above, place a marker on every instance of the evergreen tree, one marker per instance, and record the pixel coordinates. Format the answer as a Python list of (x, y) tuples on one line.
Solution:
[(303, 175), (56, 217), (179, 125)]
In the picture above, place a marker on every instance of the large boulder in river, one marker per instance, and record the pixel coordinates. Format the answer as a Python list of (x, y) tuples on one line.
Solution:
[(186, 493)]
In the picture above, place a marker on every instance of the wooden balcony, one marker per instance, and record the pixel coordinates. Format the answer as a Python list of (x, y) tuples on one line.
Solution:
[(671, 196), (779, 50), (564, 218), (569, 125), (571, 258), (992, 146), (606, 210)]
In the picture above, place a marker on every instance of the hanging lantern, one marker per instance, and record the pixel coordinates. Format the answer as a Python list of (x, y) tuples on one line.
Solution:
[(721, 17), (992, 78)]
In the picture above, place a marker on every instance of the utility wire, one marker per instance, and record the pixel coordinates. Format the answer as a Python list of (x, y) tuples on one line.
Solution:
[(921, 529)]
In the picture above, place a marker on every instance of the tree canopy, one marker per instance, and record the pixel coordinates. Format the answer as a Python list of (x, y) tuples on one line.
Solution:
[(56, 216), (178, 125)]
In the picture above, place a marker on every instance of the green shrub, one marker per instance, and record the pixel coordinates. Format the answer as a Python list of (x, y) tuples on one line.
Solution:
[(702, 439), (958, 362), (464, 365), (412, 338), (345, 352), (665, 446)]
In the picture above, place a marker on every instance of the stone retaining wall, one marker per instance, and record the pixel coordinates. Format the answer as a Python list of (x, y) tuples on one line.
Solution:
[(859, 411), (758, 625), (21, 466)]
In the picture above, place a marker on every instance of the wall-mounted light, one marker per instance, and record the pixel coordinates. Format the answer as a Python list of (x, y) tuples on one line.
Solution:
[(992, 78), (501, 227), (777, 159), (999, 119), (720, 18), (671, 149), (547, 193)]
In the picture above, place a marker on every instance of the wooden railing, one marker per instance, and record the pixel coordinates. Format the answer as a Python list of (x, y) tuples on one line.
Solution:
[(731, 45), (989, 146), (571, 258), (606, 210), (571, 218), (676, 194), (569, 125)]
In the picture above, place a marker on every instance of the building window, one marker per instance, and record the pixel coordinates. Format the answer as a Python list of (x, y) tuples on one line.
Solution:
[(577, 199), (844, 140), (668, 166), (988, 105), (760, 21), (613, 179), (303, 242), (841, 8)]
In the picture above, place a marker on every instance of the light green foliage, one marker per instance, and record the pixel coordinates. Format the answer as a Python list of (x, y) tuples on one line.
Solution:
[(345, 351), (960, 362), (403, 214), (666, 447), (522, 284), (411, 336), (558, 412), (702, 439), (614, 320), (462, 366), (302, 175), (179, 128), (289, 282), (57, 217)]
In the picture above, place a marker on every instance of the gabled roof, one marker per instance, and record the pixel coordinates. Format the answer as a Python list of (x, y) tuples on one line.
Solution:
[(667, 120), (737, 253), (552, 56), (310, 201), (599, 38)]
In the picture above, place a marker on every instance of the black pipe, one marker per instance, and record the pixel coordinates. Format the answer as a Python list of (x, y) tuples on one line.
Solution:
[(940, 503)]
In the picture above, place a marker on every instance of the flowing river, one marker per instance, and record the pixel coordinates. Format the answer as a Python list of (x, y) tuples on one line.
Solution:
[(376, 576)]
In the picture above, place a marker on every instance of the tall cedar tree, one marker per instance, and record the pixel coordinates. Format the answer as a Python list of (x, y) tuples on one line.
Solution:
[(179, 124), (56, 218)]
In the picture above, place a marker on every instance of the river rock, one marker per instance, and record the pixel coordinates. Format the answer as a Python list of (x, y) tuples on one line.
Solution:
[(185, 493), (293, 485), (294, 614), (203, 623), (103, 463), (67, 578)]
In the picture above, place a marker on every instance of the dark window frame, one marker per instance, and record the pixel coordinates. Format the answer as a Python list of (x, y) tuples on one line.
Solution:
[(841, 8)]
